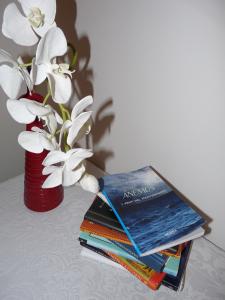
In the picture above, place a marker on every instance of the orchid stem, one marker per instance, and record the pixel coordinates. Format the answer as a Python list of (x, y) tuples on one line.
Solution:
[(46, 97), (26, 65), (65, 112), (74, 56), (65, 115)]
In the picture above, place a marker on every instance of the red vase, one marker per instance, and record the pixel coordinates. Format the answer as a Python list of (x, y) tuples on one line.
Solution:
[(35, 197)]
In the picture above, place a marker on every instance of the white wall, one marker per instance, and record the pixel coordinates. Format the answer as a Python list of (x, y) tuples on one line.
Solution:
[(163, 65), (11, 155), (157, 70)]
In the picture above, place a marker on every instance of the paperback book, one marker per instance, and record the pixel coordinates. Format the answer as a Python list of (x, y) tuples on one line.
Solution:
[(152, 215), (145, 274), (174, 282)]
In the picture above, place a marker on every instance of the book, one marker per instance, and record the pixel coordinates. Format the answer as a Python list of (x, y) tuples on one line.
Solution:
[(174, 282), (103, 243), (172, 266), (174, 251), (154, 261), (145, 274), (95, 249), (101, 213), (97, 229), (85, 252), (152, 215)]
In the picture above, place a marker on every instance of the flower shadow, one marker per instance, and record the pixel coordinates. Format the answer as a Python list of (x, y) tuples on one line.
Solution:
[(83, 80)]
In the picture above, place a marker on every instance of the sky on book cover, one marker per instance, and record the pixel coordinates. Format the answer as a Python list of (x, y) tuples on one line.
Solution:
[(151, 213)]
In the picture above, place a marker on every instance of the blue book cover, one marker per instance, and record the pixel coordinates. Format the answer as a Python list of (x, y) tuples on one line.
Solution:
[(150, 212)]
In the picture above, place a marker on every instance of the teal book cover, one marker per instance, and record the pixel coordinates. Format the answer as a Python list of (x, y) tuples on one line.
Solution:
[(104, 244), (150, 212), (172, 266)]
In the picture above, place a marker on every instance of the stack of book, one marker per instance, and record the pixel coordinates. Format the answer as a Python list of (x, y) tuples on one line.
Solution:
[(138, 222)]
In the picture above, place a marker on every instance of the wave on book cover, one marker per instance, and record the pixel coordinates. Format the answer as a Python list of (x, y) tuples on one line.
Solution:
[(160, 222), (151, 212)]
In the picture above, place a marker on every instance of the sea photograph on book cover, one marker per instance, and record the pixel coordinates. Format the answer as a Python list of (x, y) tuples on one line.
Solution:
[(150, 212)]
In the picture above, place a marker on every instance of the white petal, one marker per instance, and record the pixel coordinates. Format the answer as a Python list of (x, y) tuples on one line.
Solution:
[(38, 72), (41, 31), (76, 158), (58, 118), (37, 129), (61, 87), (51, 45), (48, 8), (46, 143), (18, 111), (17, 27), (89, 183), (78, 123), (30, 141), (11, 81), (6, 57), (67, 124), (49, 169), (71, 177), (80, 106), (38, 109), (27, 79), (54, 179), (54, 157), (50, 122)]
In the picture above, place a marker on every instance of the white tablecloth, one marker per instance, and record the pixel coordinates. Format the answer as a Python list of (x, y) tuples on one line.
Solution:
[(40, 257)]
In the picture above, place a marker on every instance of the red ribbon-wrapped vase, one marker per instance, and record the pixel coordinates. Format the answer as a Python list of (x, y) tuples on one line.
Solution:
[(35, 197)]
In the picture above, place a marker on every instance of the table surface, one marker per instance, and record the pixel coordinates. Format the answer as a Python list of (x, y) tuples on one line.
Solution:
[(40, 257)]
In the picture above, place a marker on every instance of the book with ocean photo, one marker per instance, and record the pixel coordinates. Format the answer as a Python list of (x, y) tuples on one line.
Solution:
[(152, 215)]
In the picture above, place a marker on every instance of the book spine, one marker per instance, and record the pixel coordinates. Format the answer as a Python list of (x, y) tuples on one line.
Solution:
[(123, 225)]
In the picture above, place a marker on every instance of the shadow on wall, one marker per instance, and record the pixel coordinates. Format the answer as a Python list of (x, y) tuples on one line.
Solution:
[(83, 79)]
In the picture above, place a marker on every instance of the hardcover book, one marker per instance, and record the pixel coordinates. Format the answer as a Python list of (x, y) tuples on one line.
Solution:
[(152, 215)]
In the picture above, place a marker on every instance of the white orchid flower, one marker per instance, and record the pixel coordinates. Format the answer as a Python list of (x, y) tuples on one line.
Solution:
[(25, 111), (52, 45), (37, 140), (79, 122), (14, 79), (71, 169), (24, 28), (89, 183)]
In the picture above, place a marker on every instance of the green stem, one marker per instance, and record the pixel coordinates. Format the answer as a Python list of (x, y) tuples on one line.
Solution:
[(65, 115), (46, 97), (65, 112), (25, 65), (74, 56)]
